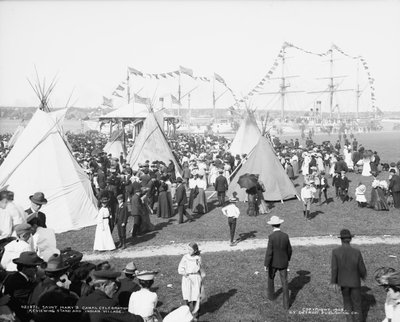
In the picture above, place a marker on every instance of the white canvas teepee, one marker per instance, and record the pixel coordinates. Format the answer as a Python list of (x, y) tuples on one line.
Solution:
[(263, 161), (41, 161), (151, 145), (246, 137)]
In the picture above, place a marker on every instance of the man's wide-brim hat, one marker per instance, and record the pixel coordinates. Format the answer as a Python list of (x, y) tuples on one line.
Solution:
[(130, 268), (275, 220), (106, 274), (28, 259), (38, 198), (146, 275), (345, 233), (56, 264)]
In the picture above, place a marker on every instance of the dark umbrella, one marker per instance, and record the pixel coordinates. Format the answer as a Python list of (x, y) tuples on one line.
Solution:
[(247, 181)]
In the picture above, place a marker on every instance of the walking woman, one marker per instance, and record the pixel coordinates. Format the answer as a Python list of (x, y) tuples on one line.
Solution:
[(192, 273)]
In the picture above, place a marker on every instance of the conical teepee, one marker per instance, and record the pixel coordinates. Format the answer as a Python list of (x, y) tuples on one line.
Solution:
[(41, 161), (115, 146), (246, 137), (263, 161), (151, 145)]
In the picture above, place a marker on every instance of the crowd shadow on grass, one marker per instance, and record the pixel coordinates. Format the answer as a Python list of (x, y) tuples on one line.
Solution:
[(314, 214), (215, 302), (297, 283), (141, 238), (162, 225), (244, 236), (367, 301)]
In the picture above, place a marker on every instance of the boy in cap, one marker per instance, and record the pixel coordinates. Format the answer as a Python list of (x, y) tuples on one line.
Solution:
[(347, 271), (307, 195), (121, 218), (277, 258)]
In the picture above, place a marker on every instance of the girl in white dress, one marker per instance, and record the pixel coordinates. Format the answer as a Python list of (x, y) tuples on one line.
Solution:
[(192, 276), (103, 239)]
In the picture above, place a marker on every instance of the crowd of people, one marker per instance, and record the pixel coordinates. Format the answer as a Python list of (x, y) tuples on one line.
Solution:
[(40, 275)]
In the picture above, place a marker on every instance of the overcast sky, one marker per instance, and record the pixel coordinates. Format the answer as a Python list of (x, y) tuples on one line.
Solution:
[(90, 44)]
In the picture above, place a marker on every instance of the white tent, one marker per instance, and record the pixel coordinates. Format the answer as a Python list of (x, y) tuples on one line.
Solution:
[(246, 137), (41, 161), (151, 145), (15, 136)]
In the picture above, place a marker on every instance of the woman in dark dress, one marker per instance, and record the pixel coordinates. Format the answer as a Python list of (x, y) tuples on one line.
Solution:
[(378, 199), (165, 209)]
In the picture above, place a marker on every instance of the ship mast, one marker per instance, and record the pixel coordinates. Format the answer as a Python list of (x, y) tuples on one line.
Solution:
[(283, 86), (332, 87)]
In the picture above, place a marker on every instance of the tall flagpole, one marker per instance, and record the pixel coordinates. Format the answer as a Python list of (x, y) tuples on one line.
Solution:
[(127, 84), (179, 95), (214, 114)]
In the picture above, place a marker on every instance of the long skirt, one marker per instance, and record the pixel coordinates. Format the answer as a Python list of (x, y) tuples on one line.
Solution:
[(165, 208), (146, 224), (103, 239), (200, 203), (378, 199)]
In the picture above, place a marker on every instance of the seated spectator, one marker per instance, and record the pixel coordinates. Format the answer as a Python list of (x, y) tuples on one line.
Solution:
[(16, 247), (44, 240), (37, 201), (127, 285)]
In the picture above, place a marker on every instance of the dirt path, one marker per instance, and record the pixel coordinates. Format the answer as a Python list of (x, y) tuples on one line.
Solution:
[(222, 246)]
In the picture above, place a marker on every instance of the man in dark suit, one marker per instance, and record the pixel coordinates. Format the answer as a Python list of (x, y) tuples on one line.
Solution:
[(221, 185), (277, 257), (181, 200), (20, 285), (348, 269), (341, 165), (37, 201), (137, 209), (394, 187), (121, 218), (127, 285), (343, 184)]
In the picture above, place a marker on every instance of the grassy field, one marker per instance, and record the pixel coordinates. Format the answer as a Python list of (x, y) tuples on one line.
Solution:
[(236, 285), (327, 219)]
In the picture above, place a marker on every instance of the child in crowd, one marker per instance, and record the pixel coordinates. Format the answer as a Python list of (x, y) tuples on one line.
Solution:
[(360, 195), (307, 196)]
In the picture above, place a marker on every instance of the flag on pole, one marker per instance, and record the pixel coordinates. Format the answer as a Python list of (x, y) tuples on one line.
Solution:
[(174, 100), (186, 71), (135, 71), (219, 78), (107, 101), (115, 93), (142, 100)]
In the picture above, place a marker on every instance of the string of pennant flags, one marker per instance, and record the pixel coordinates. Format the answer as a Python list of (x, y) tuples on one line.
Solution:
[(275, 64), (118, 92)]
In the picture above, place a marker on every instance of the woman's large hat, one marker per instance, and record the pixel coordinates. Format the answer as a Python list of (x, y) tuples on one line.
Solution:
[(38, 198), (146, 275), (28, 259)]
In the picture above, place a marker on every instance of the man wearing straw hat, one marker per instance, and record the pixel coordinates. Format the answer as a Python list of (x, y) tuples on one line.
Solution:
[(127, 285), (348, 269), (277, 257)]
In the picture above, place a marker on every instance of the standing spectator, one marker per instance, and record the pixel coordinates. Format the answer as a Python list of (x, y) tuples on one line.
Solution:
[(121, 218), (307, 196), (343, 184), (348, 269), (181, 200), (37, 201), (221, 186), (103, 239), (277, 258), (190, 267), (394, 187), (232, 212)]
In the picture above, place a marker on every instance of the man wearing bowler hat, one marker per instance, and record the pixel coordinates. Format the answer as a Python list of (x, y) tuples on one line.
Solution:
[(19, 285), (37, 201), (348, 268), (277, 257)]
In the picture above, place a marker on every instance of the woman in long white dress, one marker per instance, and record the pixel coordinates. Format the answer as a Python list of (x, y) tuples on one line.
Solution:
[(190, 267), (333, 163), (103, 239), (348, 158), (305, 167), (366, 171)]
